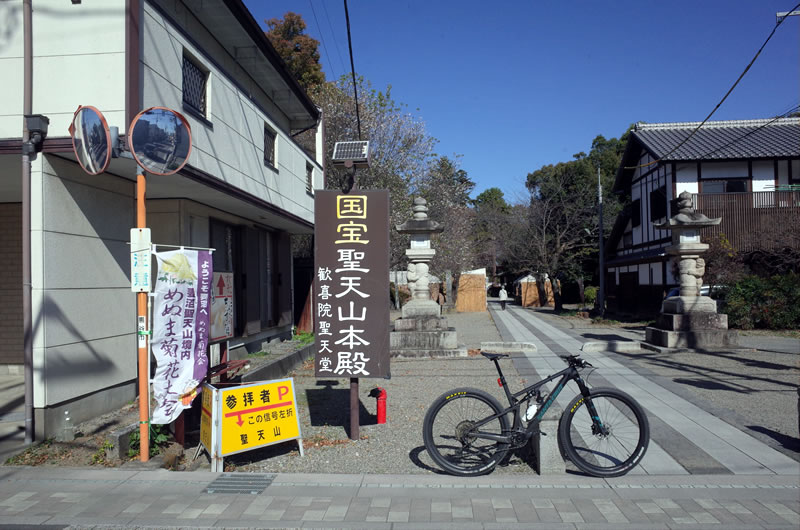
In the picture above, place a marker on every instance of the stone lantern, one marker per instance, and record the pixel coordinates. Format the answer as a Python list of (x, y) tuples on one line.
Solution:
[(689, 320), (419, 256), (422, 331)]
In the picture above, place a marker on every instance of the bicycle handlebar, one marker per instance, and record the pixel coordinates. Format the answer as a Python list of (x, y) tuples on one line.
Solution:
[(576, 361)]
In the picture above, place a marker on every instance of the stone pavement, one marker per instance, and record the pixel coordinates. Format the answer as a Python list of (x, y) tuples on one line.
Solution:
[(699, 472), (685, 438), (75, 498)]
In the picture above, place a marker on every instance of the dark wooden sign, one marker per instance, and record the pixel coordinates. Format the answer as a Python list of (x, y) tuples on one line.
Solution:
[(351, 287)]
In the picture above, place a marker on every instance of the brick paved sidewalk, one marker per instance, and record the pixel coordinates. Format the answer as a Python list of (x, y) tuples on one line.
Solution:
[(102, 498)]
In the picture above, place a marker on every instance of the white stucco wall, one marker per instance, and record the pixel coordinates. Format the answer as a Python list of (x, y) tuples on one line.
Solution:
[(686, 178), (83, 337), (763, 175), (81, 62)]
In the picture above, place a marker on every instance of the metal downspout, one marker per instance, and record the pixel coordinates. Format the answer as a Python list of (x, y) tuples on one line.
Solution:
[(26, 220)]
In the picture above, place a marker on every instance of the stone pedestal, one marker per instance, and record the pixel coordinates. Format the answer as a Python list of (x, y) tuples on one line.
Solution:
[(424, 336), (696, 330)]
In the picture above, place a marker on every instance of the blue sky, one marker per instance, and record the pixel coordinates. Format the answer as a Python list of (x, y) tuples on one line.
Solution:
[(514, 85)]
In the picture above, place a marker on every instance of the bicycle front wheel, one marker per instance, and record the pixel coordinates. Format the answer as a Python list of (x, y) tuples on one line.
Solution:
[(453, 431), (610, 444)]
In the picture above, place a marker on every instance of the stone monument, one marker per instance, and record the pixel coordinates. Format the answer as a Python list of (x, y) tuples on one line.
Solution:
[(421, 331), (690, 320)]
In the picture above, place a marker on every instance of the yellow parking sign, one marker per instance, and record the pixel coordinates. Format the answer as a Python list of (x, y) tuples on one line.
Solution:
[(245, 417)]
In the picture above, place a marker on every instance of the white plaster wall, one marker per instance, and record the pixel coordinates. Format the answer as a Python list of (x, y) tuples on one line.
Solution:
[(783, 172), (231, 147), (686, 178), (79, 59), (636, 231), (83, 309), (723, 170), (644, 274), (763, 175), (656, 268)]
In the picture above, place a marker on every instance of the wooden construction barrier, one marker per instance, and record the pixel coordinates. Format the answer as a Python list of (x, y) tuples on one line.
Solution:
[(471, 295), (530, 296)]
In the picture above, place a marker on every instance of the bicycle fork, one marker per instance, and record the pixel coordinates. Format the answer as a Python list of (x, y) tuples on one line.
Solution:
[(598, 428)]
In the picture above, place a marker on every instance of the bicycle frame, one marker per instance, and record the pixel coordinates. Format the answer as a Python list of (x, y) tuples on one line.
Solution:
[(514, 400)]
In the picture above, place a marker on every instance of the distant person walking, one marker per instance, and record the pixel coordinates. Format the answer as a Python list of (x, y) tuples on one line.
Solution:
[(503, 297)]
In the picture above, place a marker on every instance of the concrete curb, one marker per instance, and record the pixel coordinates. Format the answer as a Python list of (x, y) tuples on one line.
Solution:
[(623, 346), (280, 367), (508, 347)]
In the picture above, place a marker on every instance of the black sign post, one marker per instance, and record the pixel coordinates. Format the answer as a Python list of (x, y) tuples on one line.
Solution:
[(351, 291)]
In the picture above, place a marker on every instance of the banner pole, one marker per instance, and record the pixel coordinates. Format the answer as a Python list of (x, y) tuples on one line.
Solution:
[(142, 327), (354, 420)]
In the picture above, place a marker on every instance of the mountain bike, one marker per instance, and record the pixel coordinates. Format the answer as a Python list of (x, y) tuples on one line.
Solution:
[(603, 431)]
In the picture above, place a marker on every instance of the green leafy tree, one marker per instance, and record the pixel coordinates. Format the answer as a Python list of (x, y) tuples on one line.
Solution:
[(556, 232), (491, 225), (299, 51)]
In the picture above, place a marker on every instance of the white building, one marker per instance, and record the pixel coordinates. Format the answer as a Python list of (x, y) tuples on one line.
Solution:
[(740, 170), (247, 187)]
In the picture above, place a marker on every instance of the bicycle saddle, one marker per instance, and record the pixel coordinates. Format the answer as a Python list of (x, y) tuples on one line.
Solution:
[(493, 356)]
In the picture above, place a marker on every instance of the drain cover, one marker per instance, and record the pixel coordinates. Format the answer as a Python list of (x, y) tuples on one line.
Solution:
[(237, 483)]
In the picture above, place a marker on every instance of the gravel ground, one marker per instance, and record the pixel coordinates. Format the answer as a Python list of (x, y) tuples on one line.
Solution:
[(393, 447)]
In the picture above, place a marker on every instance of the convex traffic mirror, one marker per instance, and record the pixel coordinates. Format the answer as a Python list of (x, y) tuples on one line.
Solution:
[(91, 139), (160, 140)]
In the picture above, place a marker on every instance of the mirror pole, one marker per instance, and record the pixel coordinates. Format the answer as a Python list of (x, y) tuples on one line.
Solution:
[(141, 318)]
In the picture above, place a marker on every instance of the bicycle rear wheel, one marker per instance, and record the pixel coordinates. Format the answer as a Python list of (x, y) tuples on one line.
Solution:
[(450, 429), (614, 444)]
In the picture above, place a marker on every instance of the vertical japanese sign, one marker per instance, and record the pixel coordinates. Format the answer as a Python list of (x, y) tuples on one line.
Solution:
[(351, 291), (181, 311), (140, 260)]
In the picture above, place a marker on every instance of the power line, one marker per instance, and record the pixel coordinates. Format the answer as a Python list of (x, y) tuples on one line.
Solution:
[(321, 37), (721, 101), (749, 133), (333, 35), (352, 67)]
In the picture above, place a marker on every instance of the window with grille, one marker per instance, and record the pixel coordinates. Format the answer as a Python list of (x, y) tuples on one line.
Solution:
[(658, 203), (636, 213), (309, 178), (195, 81), (269, 146)]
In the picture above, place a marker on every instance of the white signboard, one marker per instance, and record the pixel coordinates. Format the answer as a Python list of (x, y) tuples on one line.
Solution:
[(141, 275), (222, 306)]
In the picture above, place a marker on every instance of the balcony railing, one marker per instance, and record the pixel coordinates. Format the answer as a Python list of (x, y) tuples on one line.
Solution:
[(762, 219)]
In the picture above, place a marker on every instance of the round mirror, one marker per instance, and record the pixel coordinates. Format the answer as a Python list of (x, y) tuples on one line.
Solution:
[(91, 140), (160, 140)]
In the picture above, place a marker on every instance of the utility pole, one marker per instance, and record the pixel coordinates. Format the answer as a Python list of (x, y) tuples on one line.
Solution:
[(601, 294)]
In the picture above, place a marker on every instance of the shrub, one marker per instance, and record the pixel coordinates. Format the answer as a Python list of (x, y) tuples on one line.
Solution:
[(771, 303), (405, 295), (590, 295)]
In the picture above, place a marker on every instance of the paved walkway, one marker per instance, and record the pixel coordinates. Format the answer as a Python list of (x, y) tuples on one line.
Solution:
[(161, 499), (684, 438)]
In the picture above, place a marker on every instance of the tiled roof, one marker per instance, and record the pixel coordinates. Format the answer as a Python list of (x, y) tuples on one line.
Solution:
[(722, 139)]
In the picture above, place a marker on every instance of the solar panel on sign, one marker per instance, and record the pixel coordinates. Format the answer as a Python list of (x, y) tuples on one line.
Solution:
[(355, 152)]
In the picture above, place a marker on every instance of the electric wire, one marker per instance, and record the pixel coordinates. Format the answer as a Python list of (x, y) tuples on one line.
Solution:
[(750, 133), (335, 40), (777, 25), (352, 67), (321, 38)]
